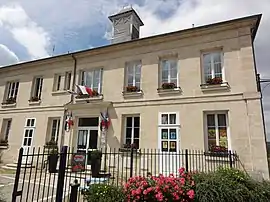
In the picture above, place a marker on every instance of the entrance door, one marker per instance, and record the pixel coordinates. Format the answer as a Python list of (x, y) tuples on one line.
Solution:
[(87, 138), (27, 142), (170, 157)]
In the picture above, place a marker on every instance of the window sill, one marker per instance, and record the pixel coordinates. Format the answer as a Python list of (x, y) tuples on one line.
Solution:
[(6, 105), (132, 94), (95, 98), (213, 87), (162, 91), (34, 102), (60, 92), (3, 146)]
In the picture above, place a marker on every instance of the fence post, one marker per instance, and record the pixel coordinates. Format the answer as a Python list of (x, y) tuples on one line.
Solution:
[(230, 159), (74, 191), (131, 162), (17, 176), (186, 159), (61, 174)]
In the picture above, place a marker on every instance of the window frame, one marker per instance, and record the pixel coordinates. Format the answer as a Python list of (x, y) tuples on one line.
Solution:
[(57, 129), (169, 75), (5, 131), (132, 129), (177, 121), (67, 83), (215, 113), (211, 52), (29, 128), (82, 80), (15, 91), (133, 64), (35, 87)]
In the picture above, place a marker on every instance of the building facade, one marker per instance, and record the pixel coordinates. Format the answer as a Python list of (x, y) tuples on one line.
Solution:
[(191, 89)]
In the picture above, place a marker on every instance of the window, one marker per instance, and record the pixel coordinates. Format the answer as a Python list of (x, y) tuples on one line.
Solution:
[(55, 125), (169, 71), (133, 74), (92, 79), (212, 65), (12, 90), (67, 81), (29, 132), (132, 131), (37, 88), (168, 132), (6, 129), (58, 82), (217, 130)]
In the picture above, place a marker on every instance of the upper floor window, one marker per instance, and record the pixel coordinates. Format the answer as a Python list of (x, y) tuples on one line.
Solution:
[(62, 82), (217, 130), (213, 67), (169, 73), (92, 79), (11, 92), (37, 89), (133, 75)]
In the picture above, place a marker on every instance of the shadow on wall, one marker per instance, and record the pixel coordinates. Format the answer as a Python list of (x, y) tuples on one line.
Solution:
[(112, 140)]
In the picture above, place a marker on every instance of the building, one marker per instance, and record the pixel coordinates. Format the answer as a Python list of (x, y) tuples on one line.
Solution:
[(189, 89)]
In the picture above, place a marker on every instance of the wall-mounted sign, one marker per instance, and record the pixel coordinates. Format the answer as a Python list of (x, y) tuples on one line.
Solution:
[(78, 162)]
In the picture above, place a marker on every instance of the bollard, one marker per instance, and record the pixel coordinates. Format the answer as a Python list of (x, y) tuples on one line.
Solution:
[(74, 191)]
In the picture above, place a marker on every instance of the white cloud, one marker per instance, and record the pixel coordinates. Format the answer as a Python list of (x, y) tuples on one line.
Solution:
[(7, 57), (24, 30)]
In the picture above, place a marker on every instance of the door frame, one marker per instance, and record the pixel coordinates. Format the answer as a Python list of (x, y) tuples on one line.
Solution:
[(88, 128)]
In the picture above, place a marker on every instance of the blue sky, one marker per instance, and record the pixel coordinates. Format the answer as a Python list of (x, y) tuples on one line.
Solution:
[(29, 29)]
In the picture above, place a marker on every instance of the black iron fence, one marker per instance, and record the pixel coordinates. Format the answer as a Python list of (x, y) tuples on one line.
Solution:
[(48, 175)]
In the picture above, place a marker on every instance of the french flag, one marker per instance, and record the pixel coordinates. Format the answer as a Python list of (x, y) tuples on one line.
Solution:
[(82, 90)]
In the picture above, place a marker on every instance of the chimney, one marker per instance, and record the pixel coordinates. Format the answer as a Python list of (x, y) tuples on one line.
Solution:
[(126, 25)]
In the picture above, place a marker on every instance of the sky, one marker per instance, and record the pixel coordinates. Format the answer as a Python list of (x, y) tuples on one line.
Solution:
[(31, 29)]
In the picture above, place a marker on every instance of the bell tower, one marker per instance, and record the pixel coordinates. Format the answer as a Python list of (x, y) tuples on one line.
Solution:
[(126, 25)]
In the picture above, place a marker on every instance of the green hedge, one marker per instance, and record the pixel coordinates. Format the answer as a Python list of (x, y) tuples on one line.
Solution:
[(224, 185), (103, 193)]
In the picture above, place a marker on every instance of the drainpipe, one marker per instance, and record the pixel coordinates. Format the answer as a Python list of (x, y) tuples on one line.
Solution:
[(71, 99)]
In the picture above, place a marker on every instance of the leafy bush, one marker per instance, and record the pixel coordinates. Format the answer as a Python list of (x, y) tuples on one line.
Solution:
[(161, 188), (230, 185), (103, 193)]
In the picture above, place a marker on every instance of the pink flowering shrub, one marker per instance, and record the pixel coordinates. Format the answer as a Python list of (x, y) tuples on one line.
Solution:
[(161, 188)]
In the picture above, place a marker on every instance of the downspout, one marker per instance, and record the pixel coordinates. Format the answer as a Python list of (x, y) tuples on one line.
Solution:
[(71, 100)]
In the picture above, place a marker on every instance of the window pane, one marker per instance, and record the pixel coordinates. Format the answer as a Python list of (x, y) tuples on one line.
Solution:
[(128, 132), (222, 120), (29, 141), (137, 143), (130, 80), (138, 68), (173, 69), (216, 57), (207, 58), (210, 120), (26, 133), (173, 134), (218, 69), (128, 141), (172, 118), (211, 143), (165, 76), (136, 132), (25, 142), (88, 79), (211, 133), (136, 121), (30, 133), (174, 81), (93, 139), (164, 119), (223, 137), (137, 78), (129, 121), (28, 122), (164, 133), (32, 122), (94, 121)]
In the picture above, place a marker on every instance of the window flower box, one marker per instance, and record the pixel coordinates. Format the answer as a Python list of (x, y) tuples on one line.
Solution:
[(131, 89), (218, 151), (168, 88), (127, 148), (168, 85), (34, 99), (84, 96), (10, 101), (214, 81)]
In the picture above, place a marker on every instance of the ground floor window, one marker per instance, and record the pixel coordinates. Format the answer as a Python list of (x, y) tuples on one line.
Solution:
[(217, 130), (132, 131), (5, 130), (29, 130), (55, 129)]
